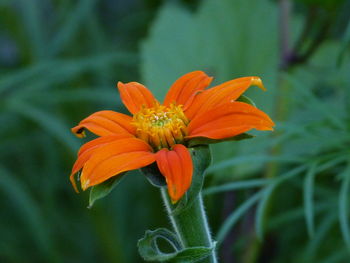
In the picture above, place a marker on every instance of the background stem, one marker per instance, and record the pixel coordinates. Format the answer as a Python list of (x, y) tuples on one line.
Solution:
[(191, 225)]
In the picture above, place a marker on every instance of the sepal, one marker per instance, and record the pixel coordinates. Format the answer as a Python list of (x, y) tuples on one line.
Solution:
[(103, 189), (245, 99), (153, 175)]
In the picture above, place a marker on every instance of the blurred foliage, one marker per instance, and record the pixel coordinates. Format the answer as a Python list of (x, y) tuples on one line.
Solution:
[(281, 197)]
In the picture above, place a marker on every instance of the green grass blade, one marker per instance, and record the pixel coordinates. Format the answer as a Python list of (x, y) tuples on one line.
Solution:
[(72, 24), (30, 11), (235, 186), (97, 94), (337, 257), (308, 199), (256, 158), (319, 237), (337, 159), (236, 215), (263, 205), (7, 81), (313, 101), (51, 124), (47, 73), (298, 213), (29, 211), (344, 206)]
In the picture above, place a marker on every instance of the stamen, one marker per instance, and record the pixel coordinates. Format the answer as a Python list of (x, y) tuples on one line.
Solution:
[(161, 126)]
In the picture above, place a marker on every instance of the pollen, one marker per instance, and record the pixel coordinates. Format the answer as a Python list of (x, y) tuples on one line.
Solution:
[(161, 126)]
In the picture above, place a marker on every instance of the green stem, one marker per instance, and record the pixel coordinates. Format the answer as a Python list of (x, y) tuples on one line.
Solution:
[(191, 225)]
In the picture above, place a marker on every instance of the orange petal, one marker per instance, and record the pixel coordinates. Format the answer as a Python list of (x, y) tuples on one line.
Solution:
[(223, 93), (177, 168), (134, 96), (111, 159), (115, 165), (229, 120), (88, 149), (183, 91), (102, 140), (104, 123)]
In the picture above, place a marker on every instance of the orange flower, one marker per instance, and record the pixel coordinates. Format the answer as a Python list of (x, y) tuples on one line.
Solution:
[(160, 132)]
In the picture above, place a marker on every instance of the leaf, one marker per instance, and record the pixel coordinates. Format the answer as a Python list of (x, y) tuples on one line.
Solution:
[(203, 141), (236, 215), (46, 73), (264, 203), (252, 158), (235, 186), (320, 236), (345, 45), (33, 22), (302, 79), (153, 175), (150, 251), (344, 206), (29, 212), (71, 25), (297, 214), (246, 99), (48, 122), (101, 190), (308, 200), (201, 158), (211, 39)]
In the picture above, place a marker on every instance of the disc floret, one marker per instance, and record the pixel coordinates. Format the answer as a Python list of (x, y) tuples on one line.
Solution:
[(161, 126)]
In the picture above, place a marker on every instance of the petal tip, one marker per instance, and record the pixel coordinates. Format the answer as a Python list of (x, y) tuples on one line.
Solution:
[(173, 201), (71, 179), (85, 184), (120, 86), (256, 81), (79, 131)]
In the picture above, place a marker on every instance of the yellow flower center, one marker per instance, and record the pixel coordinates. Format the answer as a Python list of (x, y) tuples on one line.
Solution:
[(161, 126)]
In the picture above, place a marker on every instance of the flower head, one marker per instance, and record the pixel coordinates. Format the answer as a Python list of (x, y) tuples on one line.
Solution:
[(161, 132)]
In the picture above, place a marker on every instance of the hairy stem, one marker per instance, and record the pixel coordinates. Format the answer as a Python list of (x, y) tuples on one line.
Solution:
[(191, 225)]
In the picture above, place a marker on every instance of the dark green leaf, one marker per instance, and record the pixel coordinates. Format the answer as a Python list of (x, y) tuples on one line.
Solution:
[(236, 215), (344, 206), (153, 175), (308, 199), (264, 203), (101, 190), (245, 99), (236, 186)]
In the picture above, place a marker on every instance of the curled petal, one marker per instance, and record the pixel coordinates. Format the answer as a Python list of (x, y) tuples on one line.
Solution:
[(223, 93), (229, 120), (114, 158), (88, 149), (135, 96), (183, 91), (116, 164), (104, 123), (177, 168)]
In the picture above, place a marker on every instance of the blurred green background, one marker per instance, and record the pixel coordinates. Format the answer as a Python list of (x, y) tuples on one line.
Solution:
[(280, 197)]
